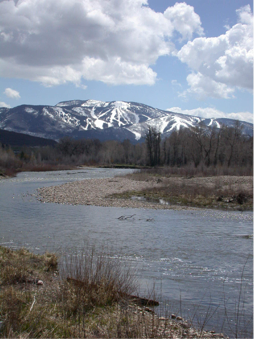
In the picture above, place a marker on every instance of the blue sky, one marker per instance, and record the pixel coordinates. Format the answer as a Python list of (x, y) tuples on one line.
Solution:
[(193, 57)]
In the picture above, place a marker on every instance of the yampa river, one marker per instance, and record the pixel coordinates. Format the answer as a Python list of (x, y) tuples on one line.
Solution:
[(198, 263)]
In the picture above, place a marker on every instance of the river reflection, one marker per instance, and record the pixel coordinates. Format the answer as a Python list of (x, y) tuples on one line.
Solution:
[(196, 256)]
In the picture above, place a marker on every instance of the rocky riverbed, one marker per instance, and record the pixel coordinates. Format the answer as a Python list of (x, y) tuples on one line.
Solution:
[(98, 192), (131, 192)]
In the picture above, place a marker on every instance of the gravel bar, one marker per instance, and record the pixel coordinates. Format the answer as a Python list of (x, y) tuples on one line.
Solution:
[(98, 192)]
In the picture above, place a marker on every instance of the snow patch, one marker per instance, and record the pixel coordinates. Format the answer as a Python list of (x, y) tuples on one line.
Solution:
[(99, 123), (137, 135), (179, 122), (164, 123), (93, 115), (58, 113), (68, 103), (31, 111), (136, 130), (47, 113), (215, 123), (195, 118), (121, 104), (80, 111), (90, 103)]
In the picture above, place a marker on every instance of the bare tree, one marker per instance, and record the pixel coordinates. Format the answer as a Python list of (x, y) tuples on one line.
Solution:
[(153, 141)]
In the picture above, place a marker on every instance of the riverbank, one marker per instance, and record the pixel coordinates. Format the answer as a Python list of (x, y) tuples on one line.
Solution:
[(6, 173), (79, 300), (155, 192)]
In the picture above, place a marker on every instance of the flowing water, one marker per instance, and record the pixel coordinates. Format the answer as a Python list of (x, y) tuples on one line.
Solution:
[(197, 262)]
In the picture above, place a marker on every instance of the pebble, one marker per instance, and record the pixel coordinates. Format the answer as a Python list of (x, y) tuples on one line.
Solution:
[(185, 325)]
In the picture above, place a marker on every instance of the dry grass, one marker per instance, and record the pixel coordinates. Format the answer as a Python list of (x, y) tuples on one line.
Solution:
[(22, 266), (97, 280), (20, 272), (200, 171), (89, 299), (221, 192)]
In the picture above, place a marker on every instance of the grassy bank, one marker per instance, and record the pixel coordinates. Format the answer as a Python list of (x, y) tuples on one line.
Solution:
[(218, 191), (91, 297)]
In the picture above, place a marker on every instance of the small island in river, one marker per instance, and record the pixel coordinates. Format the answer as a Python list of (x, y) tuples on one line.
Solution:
[(142, 190)]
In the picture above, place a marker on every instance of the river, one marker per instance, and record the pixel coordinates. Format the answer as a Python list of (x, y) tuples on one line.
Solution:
[(197, 262)]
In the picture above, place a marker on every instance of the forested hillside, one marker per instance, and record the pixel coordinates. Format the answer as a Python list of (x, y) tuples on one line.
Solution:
[(227, 148), (20, 139)]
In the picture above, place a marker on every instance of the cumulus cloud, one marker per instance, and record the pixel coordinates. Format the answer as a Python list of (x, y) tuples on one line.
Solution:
[(174, 82), (114, 41), (209, 112), (221, 64), (202, 86), (3, 104), (184, 19), (11, 93)]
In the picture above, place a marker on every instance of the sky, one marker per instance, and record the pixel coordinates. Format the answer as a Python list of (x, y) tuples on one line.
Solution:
[(193, 57)]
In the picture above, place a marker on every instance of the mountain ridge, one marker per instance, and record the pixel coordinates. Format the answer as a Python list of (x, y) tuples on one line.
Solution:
[(113, 120)]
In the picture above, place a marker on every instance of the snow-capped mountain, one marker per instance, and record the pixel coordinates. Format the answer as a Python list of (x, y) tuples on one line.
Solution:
[(117, 120)]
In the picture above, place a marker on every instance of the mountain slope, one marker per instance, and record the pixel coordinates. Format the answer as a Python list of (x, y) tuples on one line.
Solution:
[(20, 139), (117, 120)]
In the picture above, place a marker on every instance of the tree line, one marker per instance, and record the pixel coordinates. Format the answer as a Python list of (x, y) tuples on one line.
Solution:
[(227, 146), (199, 146)]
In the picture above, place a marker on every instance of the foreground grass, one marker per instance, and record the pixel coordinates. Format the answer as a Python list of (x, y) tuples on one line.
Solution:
[(89, 299), (220, 192)]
